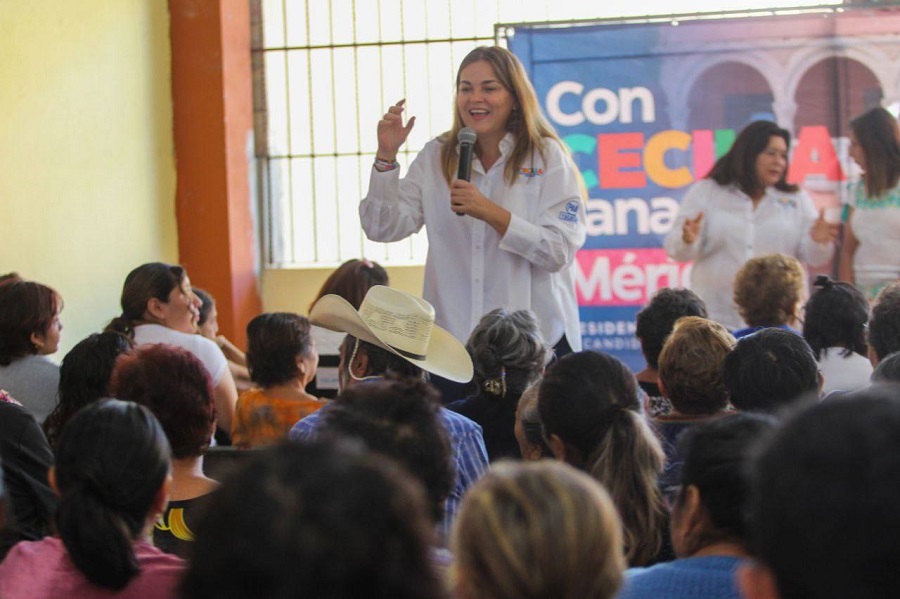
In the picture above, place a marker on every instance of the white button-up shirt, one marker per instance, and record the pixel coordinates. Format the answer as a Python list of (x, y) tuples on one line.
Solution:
[(732, 232), (470, 269)]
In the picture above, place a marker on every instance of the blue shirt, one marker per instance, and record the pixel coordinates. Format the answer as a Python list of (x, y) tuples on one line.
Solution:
[(467, 443), (707, 577)]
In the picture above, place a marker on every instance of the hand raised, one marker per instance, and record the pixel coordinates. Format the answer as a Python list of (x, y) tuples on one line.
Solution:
[(690, 229), (392, 133), (823, 231)]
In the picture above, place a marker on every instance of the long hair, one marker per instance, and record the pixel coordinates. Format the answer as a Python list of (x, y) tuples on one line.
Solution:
[(878, 134), (527, 124), (589, 401), (352, 280), (147, 281), (738, 165), (111, 463), (540, 529)]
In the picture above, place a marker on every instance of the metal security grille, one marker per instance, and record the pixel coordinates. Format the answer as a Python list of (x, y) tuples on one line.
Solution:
[(324, 73)]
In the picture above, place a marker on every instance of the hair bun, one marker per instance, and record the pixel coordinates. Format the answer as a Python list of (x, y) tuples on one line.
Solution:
[(823, 281)]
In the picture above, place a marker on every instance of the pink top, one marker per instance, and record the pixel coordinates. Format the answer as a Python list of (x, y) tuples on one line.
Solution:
[(42, 570)]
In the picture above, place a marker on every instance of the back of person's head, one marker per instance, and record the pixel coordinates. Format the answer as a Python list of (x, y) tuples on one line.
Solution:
[(836, 316), (175, 385), (714, 476), (655, 320), (27, 309), (352, 280), (884, 322), (690, 366), (275, 341), (84, 377), (111, 467), (590, 410), (823, 503), (878, 134), (379, 362), (399, 418), (528, 429), (768, 290), (317, 520), (146, 282), (738, 165), (769, 370), (538, 530), (888, 369), (507, 352)]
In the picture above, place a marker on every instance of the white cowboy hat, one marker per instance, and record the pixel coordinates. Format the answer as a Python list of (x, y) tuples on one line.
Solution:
[(401, 323)]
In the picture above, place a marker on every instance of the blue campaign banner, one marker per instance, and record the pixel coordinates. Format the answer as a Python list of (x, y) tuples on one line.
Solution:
[(647, 108)]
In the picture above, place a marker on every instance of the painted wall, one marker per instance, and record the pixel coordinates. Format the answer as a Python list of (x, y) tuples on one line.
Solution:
[(87, 171)]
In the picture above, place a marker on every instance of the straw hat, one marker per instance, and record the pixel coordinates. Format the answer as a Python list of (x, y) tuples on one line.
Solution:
[(401, 323)]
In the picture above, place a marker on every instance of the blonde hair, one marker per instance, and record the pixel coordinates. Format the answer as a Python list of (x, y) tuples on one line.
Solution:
[(691, 363), (538, 529), (525, 122), (768, 290)]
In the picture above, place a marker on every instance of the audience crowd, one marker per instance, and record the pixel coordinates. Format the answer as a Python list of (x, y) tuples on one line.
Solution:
[(726, 468)]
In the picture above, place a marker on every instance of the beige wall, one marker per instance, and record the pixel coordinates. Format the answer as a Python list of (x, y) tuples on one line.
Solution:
[(292, 290), (87, 172)]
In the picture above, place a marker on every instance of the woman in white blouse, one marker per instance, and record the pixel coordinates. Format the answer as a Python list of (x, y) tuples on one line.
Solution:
[(745, 208)]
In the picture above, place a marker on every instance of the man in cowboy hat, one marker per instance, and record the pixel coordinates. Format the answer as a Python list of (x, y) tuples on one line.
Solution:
[(394, 333)]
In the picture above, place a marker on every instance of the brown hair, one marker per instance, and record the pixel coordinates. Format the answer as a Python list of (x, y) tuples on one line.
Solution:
[(768, 290), (878, 134), (352, 280), (147, 281), (527, 124), (539, 529), (26, 308), (690, 365)]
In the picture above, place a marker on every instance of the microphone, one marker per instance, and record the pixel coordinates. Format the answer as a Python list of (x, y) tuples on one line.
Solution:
[(466, 138)]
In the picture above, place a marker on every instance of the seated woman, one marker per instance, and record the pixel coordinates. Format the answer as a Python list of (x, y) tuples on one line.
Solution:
[(208, 326), (84, 378), (835, 324), (537, 530), (158, 306), (112, 469), (282, 358), (315, 520), (173, 384), (29, 332), (709, 526), (351, 281), (691, 378), (592, 419), (769, 291), (508, 355)]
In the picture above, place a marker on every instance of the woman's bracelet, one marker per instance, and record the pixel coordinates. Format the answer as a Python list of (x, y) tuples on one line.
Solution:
[(383, 166)]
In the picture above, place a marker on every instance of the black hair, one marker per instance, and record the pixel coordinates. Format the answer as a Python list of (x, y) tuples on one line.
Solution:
[(274, 341), (147, 281), (738, 165), (836, 316), (823, 502), (319, 520), (589, 400), (207, 302), (888, 369), (399, 418), (884, 321), (84, 377), (381, 362), (770, 369), (111, 462), (656, 320), (715, 459)]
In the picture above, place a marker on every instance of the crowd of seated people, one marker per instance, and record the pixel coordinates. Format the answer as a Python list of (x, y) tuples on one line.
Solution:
[(691, 478)]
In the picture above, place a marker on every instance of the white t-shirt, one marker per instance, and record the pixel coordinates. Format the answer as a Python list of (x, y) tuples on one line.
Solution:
[(843, 373), (206, 350), (732, 232), (876, 225), (470, 269)]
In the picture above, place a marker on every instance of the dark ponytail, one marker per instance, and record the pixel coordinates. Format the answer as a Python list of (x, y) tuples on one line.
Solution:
[(111, 462), (147, 281)]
